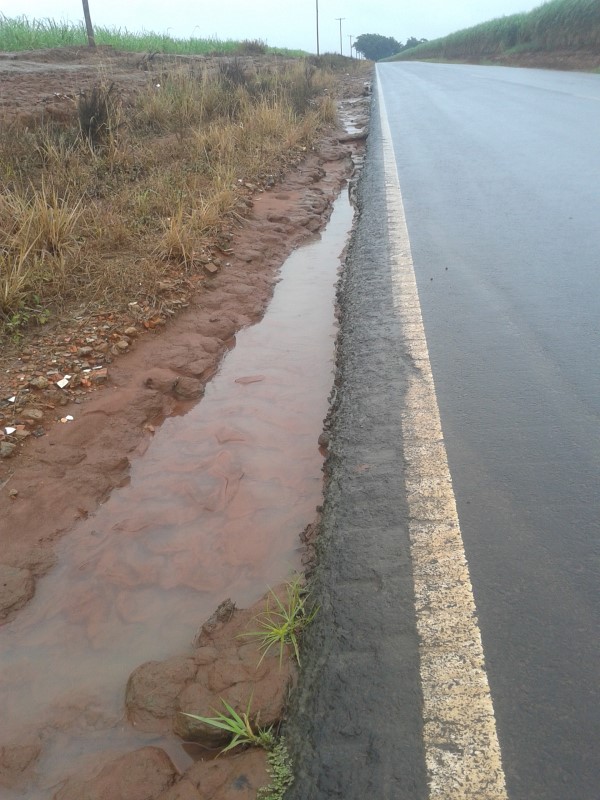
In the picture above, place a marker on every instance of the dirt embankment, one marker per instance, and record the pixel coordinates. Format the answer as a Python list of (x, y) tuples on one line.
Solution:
[(573, 60)]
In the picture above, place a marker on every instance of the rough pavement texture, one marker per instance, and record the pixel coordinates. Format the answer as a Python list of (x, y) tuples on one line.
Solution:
[(356, 727)]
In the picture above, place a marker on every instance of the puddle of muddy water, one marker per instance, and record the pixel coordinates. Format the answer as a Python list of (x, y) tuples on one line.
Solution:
[(213, 509)]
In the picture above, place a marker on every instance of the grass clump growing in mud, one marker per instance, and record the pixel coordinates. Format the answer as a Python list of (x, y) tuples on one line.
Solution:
[(283, 623), (97, 209), (239, 726), (243, 734)]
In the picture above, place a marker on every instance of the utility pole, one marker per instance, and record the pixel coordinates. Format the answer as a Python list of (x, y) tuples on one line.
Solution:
[(317, 9), (351, 36), (339, 19), (88, 24)]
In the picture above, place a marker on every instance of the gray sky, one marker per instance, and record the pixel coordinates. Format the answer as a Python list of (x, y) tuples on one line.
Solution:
[(282, 23)]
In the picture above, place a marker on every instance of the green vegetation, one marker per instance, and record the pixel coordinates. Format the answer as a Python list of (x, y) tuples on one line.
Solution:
[(279, 767), (284, 623), (556, 25), (376, 47), (244, 733), (135, 186), (239, 726), (22, 33)]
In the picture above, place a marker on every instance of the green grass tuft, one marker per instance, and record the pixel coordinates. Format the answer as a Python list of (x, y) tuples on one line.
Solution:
[(283, 624), (239, 726)]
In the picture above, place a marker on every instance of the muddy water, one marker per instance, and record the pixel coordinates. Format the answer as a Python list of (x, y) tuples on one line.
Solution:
[(212, 509)]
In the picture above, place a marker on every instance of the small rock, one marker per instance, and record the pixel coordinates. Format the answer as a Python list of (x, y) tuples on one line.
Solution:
[(188, 388), (123, 345), (13, 493), (40, 382), (21, 433), (131, 331), (7, 449), (211, 268), (324, 440), (85, 351), (32, 414), (98, 376), (221, 616), (102, 347)]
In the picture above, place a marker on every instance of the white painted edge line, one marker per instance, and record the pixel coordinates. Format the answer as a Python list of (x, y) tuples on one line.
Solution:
[(462, 752)]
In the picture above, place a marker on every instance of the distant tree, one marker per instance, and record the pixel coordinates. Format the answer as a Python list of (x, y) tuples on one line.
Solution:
[(373, 46), (413, 42), (88, 23)]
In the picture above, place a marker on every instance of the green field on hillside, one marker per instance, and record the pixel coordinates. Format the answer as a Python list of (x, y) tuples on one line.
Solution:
[(556, 25), (22, 33)]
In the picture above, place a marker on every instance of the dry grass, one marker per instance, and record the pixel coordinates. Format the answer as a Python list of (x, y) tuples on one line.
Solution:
[(96, 211)]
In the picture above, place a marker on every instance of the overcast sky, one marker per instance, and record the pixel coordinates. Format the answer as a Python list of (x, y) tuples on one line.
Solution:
[(281, 23)]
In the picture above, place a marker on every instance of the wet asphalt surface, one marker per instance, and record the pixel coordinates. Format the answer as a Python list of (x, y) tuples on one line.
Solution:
[(499, 172)]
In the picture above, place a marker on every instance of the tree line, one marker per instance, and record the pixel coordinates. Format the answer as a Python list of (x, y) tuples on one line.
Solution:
[(375, 47)]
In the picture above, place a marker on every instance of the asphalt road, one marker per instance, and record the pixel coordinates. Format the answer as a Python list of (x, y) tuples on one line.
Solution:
[(498, 172)]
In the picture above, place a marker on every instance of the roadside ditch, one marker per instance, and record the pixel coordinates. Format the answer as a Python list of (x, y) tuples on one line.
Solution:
[(199, 501)]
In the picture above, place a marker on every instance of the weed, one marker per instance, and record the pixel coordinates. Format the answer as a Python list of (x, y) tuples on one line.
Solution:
[(279, 767), (239, 726), (284, 623), (97, 110)]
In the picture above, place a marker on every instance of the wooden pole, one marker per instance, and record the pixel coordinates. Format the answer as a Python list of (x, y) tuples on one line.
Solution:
[(88, 23)]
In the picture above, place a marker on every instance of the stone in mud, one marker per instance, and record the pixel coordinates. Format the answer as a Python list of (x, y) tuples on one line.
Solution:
[(160, 379), (143, 774), (188, 388), (152, 691), (16, 588), (16, 763), (7, 449), (217, 619), (32, 414), (39, 382)]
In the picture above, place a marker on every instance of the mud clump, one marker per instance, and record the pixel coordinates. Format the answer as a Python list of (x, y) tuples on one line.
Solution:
[(141, 775), (17, 762), (16, 588), (225, 664)]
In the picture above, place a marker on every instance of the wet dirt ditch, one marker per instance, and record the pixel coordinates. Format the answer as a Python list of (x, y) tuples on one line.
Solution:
[(211, 507)]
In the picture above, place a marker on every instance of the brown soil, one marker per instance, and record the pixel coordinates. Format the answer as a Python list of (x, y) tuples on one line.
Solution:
[(73, 445), (582, 60), (576, 60)]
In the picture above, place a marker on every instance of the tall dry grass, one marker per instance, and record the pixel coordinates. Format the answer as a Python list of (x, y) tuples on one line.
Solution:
[(97, 210)]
